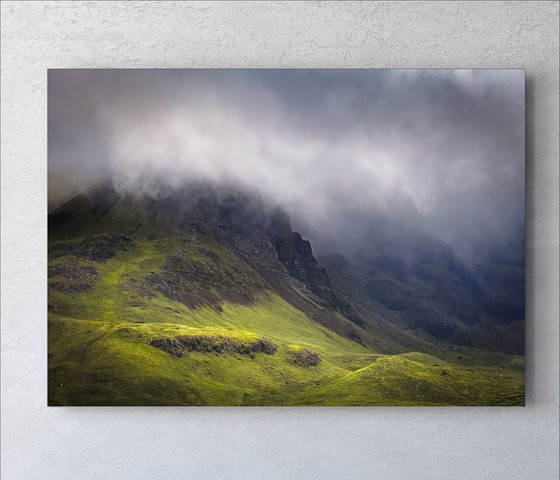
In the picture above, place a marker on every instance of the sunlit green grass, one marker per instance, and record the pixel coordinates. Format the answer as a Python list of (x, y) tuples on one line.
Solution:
[(99, 352)]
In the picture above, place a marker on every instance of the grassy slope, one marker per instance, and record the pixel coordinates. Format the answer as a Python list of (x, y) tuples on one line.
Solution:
[(98, 351)]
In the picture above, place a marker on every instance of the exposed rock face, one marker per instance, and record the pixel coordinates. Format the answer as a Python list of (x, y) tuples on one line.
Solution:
[(266, 240), (206, 281), (178, 346), (68, 277), (102, 247), (296, 255), (263, 237), (304, 358)]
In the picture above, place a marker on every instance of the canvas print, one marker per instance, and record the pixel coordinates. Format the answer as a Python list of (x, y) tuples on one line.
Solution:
[(286, 237)]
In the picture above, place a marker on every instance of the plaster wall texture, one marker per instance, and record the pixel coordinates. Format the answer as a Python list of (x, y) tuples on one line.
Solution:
[(268, 443)]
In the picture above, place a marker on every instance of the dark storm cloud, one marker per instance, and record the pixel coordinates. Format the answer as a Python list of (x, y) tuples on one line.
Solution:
[(358, 157)]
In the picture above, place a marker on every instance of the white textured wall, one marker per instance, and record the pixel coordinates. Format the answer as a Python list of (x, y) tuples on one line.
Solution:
[(268, 443)]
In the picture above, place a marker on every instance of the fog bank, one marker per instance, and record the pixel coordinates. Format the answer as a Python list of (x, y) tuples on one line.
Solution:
[(361, 159)]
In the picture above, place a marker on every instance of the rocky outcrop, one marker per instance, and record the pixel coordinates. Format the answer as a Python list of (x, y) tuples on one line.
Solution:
[(296, 255), (102, 247), (210, 279), (69, 277), (180, 345), (304, 357)]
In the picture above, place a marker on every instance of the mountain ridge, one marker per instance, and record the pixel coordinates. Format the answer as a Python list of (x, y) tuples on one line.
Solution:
[(202, 275)]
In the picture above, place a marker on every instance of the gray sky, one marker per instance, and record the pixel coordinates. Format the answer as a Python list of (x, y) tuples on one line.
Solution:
[(362, 159)]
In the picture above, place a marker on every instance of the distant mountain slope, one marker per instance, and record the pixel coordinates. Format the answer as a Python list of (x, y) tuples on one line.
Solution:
[(437, 294), (207, 296)]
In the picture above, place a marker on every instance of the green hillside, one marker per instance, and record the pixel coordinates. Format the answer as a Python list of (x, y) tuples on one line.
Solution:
[(151, 303)]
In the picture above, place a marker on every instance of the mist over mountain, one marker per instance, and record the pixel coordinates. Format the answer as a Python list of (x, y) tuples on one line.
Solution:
[(366, 163), (286, 237), (378, 296)]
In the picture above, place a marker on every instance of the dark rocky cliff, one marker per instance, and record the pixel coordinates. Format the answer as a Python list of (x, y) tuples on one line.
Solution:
[(296, 255)]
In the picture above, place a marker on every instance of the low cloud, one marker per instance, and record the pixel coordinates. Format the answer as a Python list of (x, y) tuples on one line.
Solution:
[(360, 159)]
